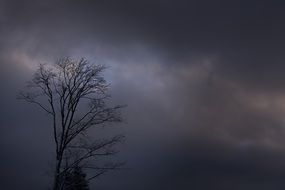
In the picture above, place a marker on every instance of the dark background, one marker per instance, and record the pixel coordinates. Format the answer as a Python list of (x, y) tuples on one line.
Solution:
[(203, 80)]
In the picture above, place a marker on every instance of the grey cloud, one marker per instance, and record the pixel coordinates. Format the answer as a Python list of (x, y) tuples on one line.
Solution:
[(203, 81)]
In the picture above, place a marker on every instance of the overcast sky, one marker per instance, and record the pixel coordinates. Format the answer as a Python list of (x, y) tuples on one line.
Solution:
[(203, 80)]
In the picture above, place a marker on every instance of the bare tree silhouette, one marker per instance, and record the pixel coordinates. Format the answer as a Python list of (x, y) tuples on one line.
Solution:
[(74, 94)]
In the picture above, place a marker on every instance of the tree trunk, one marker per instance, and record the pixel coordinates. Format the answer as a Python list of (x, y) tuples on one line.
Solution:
[(57, 180)]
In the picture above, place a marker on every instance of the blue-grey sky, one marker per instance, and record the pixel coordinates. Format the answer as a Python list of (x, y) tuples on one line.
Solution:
[(203, 81)]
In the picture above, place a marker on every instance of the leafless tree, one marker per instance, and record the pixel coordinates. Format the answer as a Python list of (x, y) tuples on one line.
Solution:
[(74, 94)]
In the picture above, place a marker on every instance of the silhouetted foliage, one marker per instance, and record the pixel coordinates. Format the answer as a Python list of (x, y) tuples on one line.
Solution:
[(76, 180), (74, 94)]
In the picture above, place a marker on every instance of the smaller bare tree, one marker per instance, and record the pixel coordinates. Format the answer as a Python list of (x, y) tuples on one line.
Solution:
[(74, 94)]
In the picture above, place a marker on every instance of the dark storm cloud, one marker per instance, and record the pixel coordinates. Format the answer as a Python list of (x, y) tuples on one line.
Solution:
[(246, 35), (209, 71)]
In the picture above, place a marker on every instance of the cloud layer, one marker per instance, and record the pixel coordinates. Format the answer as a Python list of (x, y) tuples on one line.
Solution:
[(203, 81)]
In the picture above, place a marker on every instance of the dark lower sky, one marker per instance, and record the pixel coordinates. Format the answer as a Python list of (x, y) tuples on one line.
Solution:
[(203, 80)]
